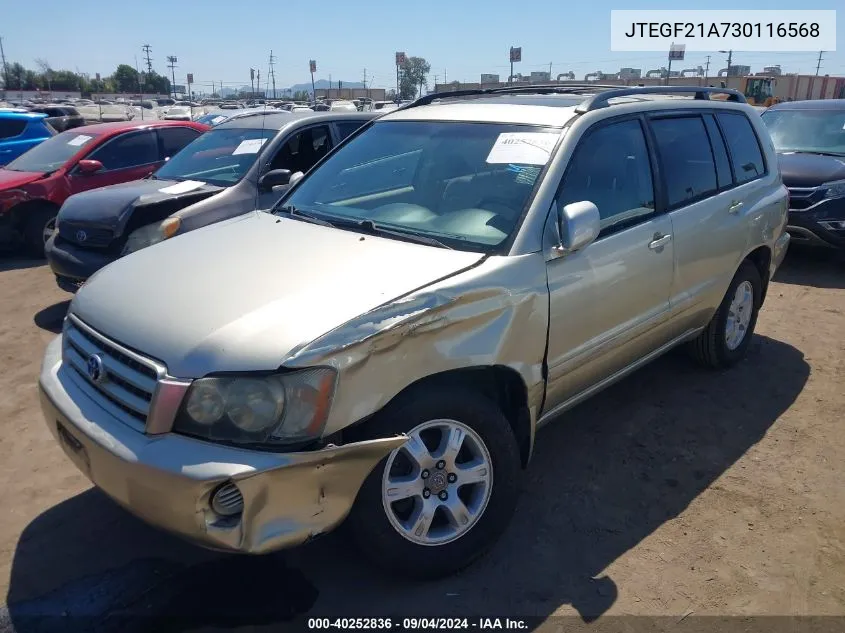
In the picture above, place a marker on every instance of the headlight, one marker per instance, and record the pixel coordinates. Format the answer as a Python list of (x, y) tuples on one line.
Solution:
[(151, 234), (270, 409), (834, 189)]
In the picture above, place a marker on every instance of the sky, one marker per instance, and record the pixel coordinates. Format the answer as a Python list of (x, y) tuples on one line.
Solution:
[(219, 41)]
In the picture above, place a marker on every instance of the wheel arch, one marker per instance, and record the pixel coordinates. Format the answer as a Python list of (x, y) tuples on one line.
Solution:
[(761, 258), (19, 211), (502, 384)]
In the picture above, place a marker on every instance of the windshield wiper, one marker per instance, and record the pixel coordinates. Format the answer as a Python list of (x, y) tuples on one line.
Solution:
[(810, 151), (302, 215), (411, 236)]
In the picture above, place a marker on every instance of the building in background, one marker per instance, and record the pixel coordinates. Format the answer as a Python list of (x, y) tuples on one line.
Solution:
[(539, 77), (626, 74), (376, 94), (489, 78)]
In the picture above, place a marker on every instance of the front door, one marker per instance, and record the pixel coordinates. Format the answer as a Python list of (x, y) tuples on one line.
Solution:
[(609, 302), (130, 156), (299, 152)]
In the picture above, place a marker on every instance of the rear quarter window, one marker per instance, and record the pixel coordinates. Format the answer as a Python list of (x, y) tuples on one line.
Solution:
[(9, 128)]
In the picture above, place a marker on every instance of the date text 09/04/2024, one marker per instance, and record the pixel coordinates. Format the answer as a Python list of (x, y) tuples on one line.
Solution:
[(416, 624), (723, 30)]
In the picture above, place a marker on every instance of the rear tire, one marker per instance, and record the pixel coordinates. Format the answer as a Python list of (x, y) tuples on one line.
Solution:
[(442, 525), (39, 224), (725, 340)]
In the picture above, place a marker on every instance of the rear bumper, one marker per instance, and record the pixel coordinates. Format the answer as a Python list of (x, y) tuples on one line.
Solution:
[(781, 246), (73, 265)]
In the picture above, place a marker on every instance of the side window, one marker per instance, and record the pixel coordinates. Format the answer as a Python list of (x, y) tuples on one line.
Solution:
[(129, 150), (746, 157), (686, 159), (611, 169), (303, 150), (720, 154), (11, 127), (173, 139), (345, 128)]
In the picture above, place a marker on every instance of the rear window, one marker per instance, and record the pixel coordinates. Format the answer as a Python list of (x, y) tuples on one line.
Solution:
[(11, 127), (746, 157), (685, 158)]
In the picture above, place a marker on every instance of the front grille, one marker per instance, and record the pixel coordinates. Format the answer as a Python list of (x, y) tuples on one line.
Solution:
[(85, 235), (128, 380), (802, 198)]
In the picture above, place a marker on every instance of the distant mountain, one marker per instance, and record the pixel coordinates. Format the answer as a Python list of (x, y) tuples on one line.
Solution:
[(323, 84)]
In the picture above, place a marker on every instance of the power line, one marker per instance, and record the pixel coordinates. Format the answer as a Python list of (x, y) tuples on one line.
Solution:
[(147, 50)]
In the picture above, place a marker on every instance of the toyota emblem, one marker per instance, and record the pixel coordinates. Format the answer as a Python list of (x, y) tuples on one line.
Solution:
[(81, 236), (95, 368)]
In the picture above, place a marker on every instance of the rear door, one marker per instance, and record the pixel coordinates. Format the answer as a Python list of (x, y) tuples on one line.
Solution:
[(707, 208), (300, 151), (14, 139), (129, 156)]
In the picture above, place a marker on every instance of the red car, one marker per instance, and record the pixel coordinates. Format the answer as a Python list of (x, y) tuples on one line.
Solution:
[(34, 185)]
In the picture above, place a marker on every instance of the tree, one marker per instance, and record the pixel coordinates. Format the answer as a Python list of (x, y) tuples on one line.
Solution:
[(125, 78), (413, 77)]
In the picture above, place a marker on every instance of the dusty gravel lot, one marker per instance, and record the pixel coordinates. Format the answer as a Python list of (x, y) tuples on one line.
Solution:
[(677, 492)]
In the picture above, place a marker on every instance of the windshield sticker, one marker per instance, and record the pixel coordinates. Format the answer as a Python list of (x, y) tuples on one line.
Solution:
[(79, 141), (526, 148), (250, 146), (524, 175), (218, 119), (182, 187)]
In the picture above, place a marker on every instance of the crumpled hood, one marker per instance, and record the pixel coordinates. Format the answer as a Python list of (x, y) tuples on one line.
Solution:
[(810, 170), (112, 206), (12, 179), (243, 294)]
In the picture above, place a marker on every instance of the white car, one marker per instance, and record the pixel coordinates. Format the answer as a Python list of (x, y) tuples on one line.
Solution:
[(179, 113)]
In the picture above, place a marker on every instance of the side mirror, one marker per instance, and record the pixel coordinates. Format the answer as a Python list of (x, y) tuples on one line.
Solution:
[(89, 167), (274, 178), (579, 224)]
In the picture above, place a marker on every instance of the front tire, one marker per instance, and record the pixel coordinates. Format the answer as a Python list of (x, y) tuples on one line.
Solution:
[(436, 504), (39, 225), (725, 340)]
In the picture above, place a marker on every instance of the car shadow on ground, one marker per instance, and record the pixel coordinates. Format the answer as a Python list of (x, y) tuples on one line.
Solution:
[(603, 478), (51, 317), (10, 260), (814, 267)]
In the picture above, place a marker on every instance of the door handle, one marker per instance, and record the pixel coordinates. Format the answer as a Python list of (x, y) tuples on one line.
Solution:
[(736, 205), (659, 241)]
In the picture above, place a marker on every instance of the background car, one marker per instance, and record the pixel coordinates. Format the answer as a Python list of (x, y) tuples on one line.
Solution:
[(216, 117), (21, 131), (34, 186), (60, 117), (238, 166), (179, 113), (809, 137)]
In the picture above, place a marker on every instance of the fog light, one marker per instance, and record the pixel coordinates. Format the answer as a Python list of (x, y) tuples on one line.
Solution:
[(227, 500), (834, 225)]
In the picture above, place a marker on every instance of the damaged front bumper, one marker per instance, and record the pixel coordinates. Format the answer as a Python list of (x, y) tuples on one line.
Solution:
[(168, 480)]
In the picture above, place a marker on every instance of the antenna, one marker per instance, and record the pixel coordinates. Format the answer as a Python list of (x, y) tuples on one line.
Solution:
[(147, 50)]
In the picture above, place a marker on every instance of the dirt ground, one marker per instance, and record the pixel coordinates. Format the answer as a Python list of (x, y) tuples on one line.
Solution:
[(677, 492)]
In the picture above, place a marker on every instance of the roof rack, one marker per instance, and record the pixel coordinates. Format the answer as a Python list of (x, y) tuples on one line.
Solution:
[(601, 100), (530, 89)]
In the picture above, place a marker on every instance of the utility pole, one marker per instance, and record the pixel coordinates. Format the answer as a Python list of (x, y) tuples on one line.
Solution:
[(252, 82), (706, 69), (273, 73), (171, 61), (366, 90), (258, 79), (819, 64), (147, 50), (5, 67)]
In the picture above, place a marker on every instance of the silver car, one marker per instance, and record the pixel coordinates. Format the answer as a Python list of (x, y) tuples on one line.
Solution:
[(382, 346)]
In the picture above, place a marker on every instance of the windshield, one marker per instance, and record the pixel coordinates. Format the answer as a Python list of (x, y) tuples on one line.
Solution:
[(52, 153), (816, 131), (463, 184), (219, 157)]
